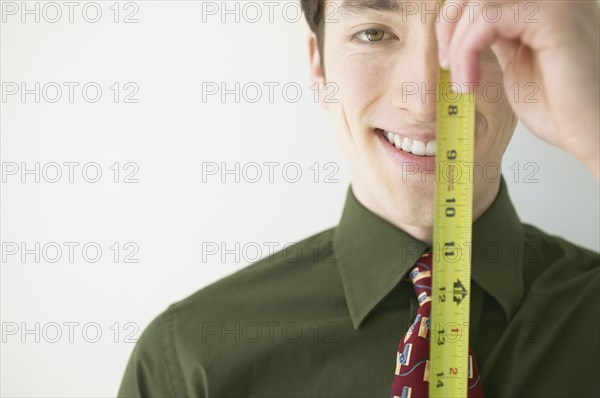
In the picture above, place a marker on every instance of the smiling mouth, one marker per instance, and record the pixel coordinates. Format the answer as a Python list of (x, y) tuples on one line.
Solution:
[(405, 144)]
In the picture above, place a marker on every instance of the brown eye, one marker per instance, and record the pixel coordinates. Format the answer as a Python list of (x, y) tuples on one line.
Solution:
[(374, 34), (371, 35)]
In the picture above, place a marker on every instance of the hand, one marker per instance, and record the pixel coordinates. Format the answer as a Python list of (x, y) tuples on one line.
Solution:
[(551, 43)]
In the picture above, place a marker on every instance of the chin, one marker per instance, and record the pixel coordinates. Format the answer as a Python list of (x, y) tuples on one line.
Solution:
[(418, 217), (412, 203)]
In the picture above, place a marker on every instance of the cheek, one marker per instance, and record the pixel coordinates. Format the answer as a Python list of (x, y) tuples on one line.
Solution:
[(491, 89), (357, 77), (357, 84), (493, 102)]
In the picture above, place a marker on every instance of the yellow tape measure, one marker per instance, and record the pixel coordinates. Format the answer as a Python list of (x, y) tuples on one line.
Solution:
[(451, 278)]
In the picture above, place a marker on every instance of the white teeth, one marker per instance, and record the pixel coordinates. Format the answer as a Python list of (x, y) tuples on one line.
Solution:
[(430, 150), (391, 138), (418, 148)]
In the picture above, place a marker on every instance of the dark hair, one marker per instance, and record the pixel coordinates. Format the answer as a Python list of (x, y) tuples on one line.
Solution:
[(314, 13)]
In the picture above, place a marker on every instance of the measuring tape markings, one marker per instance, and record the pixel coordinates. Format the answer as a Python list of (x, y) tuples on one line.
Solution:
[(451, 276)]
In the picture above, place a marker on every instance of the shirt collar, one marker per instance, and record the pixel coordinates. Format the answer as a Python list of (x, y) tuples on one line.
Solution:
[(374, 255)]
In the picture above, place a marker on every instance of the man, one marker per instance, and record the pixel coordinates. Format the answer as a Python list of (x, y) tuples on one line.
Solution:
[(328, 322)]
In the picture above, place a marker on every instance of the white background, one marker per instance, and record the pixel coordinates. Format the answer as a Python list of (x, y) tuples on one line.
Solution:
[(169, 135)]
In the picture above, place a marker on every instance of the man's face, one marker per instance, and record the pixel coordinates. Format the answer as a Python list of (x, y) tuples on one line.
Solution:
[(384, 64)]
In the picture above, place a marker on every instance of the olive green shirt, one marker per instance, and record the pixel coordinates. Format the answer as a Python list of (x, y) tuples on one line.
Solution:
[(324, 317)]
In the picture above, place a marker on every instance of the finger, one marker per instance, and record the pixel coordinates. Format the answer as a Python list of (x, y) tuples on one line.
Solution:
[(450, 14), (505, 51), (470, 38)]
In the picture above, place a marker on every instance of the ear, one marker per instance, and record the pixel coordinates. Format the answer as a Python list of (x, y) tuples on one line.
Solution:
[(316, 72)]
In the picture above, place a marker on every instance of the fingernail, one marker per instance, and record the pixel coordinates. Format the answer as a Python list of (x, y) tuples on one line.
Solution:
[(443, 58)]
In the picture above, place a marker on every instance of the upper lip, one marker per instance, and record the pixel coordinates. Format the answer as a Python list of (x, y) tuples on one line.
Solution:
[(412, 133)]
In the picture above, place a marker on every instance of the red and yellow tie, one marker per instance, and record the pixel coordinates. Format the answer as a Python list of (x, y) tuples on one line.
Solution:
[(411, 379)]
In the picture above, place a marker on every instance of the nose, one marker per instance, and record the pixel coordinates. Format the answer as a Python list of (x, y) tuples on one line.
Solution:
[(415, 77)]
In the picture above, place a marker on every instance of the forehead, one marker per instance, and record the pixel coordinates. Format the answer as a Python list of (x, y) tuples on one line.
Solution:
[(364, 6)]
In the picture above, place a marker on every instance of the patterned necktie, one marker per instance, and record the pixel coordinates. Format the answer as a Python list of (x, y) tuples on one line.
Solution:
[(411, 378)]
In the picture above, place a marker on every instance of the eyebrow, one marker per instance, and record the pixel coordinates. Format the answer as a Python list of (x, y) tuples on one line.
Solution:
[(363, 6)]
